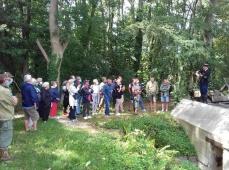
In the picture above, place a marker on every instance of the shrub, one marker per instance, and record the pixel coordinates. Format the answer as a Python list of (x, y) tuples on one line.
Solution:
[(162, 128)]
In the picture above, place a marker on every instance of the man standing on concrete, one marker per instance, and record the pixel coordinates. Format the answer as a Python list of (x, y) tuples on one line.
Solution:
[(204, 75), (7, 103)]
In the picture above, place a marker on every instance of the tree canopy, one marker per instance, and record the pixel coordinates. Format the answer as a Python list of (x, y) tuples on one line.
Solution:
[(118, 37)]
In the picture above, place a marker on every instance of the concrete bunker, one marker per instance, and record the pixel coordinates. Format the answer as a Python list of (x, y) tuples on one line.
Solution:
[(208, 129)]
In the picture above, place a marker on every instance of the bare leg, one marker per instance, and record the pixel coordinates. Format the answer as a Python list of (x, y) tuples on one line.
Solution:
[(34, 125), (26, 125), (166, 106), (162, 107), (155, 106), (151, 105)]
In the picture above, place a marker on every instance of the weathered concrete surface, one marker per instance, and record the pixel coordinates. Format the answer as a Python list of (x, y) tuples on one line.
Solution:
[(208, 129)]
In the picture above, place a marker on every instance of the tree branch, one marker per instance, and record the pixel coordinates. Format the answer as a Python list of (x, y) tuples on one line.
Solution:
[(43, 51)]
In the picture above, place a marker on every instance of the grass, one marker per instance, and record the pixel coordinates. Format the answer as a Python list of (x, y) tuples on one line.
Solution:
[(55, 147), (162, 128)]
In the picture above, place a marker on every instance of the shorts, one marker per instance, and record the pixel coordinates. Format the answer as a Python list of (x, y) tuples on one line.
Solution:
[(152, 98), (164, 99), (6, 133), (32, 113)]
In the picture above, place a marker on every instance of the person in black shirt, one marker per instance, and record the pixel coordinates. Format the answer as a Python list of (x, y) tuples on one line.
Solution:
[(45, 102), (118, 94), (203, 76)]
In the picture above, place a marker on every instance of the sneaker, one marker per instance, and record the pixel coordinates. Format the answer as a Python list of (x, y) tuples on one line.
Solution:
[(5, 155), (85, 118), (144, 110), (118, 114), (89, 117)]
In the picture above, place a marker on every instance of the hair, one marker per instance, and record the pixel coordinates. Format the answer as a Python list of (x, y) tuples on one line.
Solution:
[(27, 78), (103, 78), (34, 81), (45, 84), (53, 82), (72, 77), (95, 81), (39, 79)]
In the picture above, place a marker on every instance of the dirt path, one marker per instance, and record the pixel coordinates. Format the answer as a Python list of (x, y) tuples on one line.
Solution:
[(88, 125)]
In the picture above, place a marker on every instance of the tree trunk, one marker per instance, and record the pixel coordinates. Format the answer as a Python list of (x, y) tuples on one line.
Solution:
[(138, 39), (208, 24), (55, 62), (25, 27)]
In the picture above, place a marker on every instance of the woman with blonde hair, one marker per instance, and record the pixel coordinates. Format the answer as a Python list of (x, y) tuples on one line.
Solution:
[(95, 95)]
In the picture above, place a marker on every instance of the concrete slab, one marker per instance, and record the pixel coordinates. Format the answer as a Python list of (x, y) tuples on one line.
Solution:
[(208, 129)]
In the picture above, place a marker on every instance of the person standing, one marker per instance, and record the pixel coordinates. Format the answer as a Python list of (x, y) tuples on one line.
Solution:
[(131, 93), (45, 102), (29, 102), (86, 92), (95, 95), (55, 99), (118, 93), (78, 96), (72, 101), (66, 97), (101, 85), (204, 75), (164, 88), (107, 92), (7, 103), (137, 98), (151, 92), (136, 92)]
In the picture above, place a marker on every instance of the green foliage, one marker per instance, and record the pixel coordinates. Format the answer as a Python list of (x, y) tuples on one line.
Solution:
[(55, 146), (162, 128)]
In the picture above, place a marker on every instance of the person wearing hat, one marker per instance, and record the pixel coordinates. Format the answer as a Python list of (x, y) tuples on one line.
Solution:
[(7, 103), (203, 76)]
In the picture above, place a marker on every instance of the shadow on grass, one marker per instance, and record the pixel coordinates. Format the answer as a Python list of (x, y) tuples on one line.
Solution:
[(55, 146)]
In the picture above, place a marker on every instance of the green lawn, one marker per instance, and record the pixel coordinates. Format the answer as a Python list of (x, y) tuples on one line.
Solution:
[(55, 146)]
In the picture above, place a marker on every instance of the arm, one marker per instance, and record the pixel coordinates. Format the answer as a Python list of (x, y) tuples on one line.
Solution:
[(157, 88), (33, 95), (147, 88)]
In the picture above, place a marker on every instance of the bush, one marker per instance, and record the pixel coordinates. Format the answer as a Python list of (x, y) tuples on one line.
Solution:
[(162, 128)]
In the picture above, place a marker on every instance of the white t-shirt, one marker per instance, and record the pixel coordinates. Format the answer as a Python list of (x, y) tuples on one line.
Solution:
[(95, 88), (102, 84)]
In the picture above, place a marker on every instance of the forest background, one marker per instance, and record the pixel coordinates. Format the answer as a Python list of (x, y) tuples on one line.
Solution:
[(163, 38)]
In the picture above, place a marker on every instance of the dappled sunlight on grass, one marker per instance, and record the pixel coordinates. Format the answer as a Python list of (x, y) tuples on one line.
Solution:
[(57, 146)]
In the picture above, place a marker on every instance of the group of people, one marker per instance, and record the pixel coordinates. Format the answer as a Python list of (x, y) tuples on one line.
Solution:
[(78, 94), (40, 100)]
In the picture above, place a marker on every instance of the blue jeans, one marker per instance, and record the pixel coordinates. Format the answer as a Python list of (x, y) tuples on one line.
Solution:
[(204, 92), (141, 103), (107, 101)]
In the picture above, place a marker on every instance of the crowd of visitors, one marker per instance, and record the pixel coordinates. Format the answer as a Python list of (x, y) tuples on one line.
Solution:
[(39, 99)]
